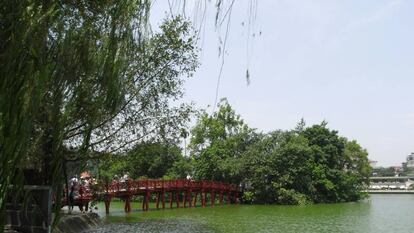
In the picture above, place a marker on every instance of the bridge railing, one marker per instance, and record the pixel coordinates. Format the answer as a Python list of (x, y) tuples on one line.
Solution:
[(195, 184), (137, 186)]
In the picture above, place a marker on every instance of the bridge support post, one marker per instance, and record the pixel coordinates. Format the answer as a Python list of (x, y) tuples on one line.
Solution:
[(127, 207), (171, 199), (147, 200), (157, 200), (195, 199), (163, 199), (185, 198), (143, 201), (177, 196), (212, 198), (190, 199), (203, 198), (221, 198), (228, 198), (107, 200)]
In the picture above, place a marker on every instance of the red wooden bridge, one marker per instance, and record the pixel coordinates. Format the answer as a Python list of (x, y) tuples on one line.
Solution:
[(176, 191)]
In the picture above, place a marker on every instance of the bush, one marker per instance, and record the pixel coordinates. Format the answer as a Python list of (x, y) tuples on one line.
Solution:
[(291, 197)]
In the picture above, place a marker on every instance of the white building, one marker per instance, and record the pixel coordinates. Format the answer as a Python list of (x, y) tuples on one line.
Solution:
[(410, 160), (373, 163)]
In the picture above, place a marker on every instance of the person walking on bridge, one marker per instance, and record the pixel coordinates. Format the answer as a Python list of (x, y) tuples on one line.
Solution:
[(71, 198)]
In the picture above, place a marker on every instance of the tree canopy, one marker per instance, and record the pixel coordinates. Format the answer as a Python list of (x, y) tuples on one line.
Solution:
[(304, 165), (217, 143), (81, 79)]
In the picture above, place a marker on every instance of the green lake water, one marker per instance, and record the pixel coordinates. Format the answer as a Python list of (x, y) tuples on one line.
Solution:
[(380, 213)]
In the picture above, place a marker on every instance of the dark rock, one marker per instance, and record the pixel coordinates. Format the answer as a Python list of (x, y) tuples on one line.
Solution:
[(76, 223)]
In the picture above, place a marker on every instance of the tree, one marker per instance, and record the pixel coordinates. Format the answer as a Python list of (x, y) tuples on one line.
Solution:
[(82, 79), (110, 165), (152, 160), (181, 168), (148, 159), (277, 169), (310, 165), (217, 142), (81, 121)]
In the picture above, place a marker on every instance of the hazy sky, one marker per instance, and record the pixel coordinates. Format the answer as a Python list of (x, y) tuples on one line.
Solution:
[(350, 63)]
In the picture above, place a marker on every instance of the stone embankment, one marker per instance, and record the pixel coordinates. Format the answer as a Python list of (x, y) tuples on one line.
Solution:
[(76, 223), (72, 223)]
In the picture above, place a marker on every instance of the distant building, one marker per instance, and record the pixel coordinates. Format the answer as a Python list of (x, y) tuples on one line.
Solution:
[(397, 169), (391, 183), (373, 163), (410, 160)]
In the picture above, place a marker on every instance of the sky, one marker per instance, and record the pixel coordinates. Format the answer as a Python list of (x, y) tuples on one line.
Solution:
[(350, 63)]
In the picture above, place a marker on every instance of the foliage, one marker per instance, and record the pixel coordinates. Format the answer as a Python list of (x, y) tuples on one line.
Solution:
[(23, 76), (383, 171), (81, 79), (110, 165), (217, 143), (180, 169), (304, 165), (151, 159), (149, 79), (310, 165), (275, 168)]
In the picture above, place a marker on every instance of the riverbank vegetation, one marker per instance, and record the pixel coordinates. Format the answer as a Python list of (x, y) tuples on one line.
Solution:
[(308, 164)]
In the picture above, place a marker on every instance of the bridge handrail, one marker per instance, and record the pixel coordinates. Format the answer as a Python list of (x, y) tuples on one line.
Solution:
[(136, 185)]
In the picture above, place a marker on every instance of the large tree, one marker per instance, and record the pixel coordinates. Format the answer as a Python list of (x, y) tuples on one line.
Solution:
[(218, 142), (79, 79), (152, 160), (305, 165)]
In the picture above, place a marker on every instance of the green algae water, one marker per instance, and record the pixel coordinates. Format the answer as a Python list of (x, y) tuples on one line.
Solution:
[(380, 213)]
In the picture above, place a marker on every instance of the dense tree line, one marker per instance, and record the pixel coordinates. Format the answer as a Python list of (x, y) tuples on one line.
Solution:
[(148, 160), (304, 165)]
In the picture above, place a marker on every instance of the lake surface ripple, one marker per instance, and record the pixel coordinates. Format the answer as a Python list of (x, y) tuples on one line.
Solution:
[(381, 213)]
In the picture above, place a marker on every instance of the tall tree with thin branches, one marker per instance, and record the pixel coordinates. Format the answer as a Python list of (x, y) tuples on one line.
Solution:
[(79, 79)]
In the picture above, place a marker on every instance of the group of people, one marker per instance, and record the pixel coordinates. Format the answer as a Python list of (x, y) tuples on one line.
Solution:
[(123, 180), (77, 189)]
